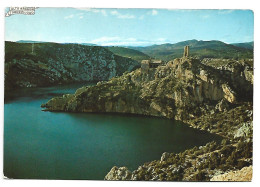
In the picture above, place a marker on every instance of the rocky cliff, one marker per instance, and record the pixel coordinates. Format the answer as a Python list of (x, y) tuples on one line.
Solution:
[(245, 174), (204, 96), (216, 162), (42, 64), (182, 89)]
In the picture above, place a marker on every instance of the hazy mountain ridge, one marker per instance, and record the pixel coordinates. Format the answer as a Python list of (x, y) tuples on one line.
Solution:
[(32, 41), (29, 41), (246, 45), (201, 49), (129, 53)]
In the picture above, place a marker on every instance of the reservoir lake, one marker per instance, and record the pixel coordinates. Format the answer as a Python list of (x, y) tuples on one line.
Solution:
[(59, 145)]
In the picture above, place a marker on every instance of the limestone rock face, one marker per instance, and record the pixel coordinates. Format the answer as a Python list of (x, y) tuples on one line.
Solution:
[(240, 72), (245, 130), (183, 89), (61, 63), (229, 93), (165, 156), (245, 174), (180, 90), (222, 105), (121, 173), (59, 104)]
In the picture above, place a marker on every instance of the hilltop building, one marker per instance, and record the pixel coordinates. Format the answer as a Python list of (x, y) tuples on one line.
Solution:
[(186, 51), (147, 64)]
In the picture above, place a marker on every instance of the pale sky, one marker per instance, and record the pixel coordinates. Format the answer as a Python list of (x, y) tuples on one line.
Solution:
[(130, 27)]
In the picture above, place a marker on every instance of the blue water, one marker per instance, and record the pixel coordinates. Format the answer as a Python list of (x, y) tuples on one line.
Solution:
[(51, 145)]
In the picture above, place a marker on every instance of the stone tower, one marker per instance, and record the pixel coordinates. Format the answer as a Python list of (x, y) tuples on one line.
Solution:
[(186, 51), (32, 48)]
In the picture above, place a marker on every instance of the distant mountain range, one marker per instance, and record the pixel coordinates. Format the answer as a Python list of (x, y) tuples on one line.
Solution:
[(198, 48), (129, 53), (32, 41), (247, 45), (201, 49)]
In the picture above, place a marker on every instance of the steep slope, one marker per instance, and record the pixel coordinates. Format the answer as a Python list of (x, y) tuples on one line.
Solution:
[(244, 174), (173, 91), (129, 53), (41, 64), (205, 96), (246, 45), (201, 49)]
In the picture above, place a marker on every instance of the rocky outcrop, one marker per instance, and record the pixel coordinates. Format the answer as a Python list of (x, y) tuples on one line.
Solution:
[(165, 156), (218, 107), (229, 94), (185, 89), (245, 130), (121, 173), (245, 174), (52, 63), (182, 89), (211, 162), (243, 68), (223, 105)]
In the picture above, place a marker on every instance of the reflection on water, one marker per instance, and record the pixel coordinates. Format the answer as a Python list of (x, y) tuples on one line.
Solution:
[(43, 92), (57, 145)]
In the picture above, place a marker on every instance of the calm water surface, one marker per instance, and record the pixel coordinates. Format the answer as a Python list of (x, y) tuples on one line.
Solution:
[(51, 145)]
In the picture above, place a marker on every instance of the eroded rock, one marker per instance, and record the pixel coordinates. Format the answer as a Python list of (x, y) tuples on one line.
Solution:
[(182, 89), (245, 174), (116, 173)]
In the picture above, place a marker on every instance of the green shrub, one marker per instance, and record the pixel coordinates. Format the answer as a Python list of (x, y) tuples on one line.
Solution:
[(226, 150), (224, 142), (231, 161), (242, 164), (200, 176)]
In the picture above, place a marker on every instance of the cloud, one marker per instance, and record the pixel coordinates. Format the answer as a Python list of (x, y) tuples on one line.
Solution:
[(105, 39), (161, 39), (153, 12), (69, 17), (119, 41), (117, 13), (80, 16), (181, 10), (94, 10), (114, 12), (122, 16), (226, 11)]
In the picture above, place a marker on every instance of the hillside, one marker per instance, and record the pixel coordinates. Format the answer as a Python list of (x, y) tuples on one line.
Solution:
[(201, 49), (31, 41), (247, 45), (43, 64), (201, 94), (129, 53)]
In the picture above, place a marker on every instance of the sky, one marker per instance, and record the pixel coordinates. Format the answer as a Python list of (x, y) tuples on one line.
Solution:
[(130, 27)]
